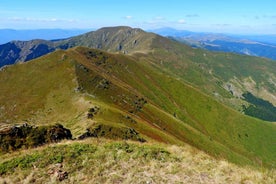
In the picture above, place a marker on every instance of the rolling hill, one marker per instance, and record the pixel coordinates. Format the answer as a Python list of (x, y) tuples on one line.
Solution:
[(224, 76), (146, 100), (131, 96), (150, 86)]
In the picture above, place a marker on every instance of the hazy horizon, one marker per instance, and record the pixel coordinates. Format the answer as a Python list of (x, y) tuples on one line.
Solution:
[(235, 17)]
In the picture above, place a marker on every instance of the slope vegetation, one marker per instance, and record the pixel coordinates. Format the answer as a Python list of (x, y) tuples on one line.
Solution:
[(126, 92), (102, 161), (224, 76)]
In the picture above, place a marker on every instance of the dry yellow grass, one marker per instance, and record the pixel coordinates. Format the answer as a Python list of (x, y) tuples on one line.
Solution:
[(144, 163)]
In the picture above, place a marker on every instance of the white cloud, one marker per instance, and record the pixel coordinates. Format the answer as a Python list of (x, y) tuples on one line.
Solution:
[(192, 15), (159, 18), (28, 19), (155, 21), (221, 25), (128, 17), (181, 21)]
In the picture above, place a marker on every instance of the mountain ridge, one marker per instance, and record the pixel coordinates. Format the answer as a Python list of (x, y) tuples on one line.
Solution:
[(115, 39), (224, 76), (20, 51), (209, 41), (129, 93)]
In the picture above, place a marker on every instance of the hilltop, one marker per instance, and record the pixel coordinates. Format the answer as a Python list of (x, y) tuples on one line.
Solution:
[(113, 39)]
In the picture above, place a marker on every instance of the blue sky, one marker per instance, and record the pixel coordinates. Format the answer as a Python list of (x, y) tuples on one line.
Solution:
[(233, 16)]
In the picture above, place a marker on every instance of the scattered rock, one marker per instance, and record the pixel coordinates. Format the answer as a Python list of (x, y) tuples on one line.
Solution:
[(57, 172), (92, 112), (130, 119), (104, 84), (138, 104), (112, 132)]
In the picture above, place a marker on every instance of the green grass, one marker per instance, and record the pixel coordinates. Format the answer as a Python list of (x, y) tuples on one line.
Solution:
[(38, 92), (206, 70), (182, 111), (133, 93), (51, 155), (165, 95)]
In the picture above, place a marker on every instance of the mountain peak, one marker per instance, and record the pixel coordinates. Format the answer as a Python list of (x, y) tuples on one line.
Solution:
[(127, 31), (115, 39), (117, 28)]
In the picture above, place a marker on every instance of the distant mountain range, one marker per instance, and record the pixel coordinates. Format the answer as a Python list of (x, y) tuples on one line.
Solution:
[(253, 45), (8, 35), (18, 48), (119, 40)]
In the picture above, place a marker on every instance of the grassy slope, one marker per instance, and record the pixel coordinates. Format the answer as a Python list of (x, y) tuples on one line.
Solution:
[(199, 119), (174, 112), (211, 71), (38, 92), (102, 161), (25, 85)]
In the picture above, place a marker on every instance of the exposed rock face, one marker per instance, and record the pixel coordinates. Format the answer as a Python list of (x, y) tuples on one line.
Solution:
[(25, 136)]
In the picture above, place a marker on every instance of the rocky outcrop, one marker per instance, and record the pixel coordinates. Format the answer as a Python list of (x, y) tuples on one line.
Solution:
[(25, 136)]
